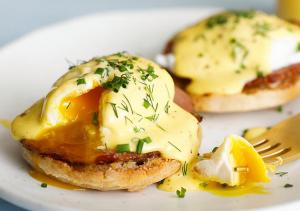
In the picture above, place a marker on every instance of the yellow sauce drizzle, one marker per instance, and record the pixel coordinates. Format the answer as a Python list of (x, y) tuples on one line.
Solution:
[(51, 181), (193, 182), (5, 123)]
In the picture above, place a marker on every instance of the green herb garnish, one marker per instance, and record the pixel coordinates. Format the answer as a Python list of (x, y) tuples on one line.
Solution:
[(95, 119), (200, 55), (141, 142), (139, 147), (214, 149), (288, 185), (244, 13), (298, 46), (216, 20), (117, 82), (279, 109), (259, 74), (167, 107), (281, 173), (203, 184), (181, 193), (161, 182), (146, 103), (148, 74), (123, 148), (262, 28), (128, 103), (101, 71), (68, 105), (184, 168), (173, 145), (44, 185), (153, 117), (239, 51), (244, 132), (114, 107), (80, 81)]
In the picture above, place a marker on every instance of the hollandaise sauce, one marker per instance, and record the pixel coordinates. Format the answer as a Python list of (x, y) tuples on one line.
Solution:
[(225, 51), (5, 123), (109, 104), (189, 179), (44, 179)]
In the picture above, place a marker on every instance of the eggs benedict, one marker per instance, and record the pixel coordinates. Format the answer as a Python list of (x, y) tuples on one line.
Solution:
[(109, 123), (236, 61)]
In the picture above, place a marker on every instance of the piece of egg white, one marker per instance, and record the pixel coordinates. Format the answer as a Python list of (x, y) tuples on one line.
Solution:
[(283, 52), (234, 163)]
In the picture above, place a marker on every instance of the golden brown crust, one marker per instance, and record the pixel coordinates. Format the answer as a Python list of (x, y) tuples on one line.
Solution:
[(130, 175)]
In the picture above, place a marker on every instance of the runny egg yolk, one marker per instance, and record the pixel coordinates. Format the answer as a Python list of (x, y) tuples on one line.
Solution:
[(78, 140), (246, 156), (82, 108)]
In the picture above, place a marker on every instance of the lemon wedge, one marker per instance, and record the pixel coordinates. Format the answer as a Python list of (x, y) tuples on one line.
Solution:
[(234, 163)]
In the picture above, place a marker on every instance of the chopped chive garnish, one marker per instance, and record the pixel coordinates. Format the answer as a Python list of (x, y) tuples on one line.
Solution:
[(214, 149), (173, 145), (161, 182), (298, 46), (146, 103), (200, 55), (95, 118), (244, 132), (216, 20), (153, 117), (184, 168), (139, 146), (128, 103), (114, 107), (203, 184), (123, 148), (167, 107), (281, 173), (147, 140), (44, 185), (244, 13), (288, 185), (279, 109), (68, 105), (80, 81), (181, 193), (141, 142), (262, 28), (259, 74), (148, 74), (117, 82), (100, 71)]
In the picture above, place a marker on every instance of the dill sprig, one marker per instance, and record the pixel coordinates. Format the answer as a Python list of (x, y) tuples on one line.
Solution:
[(184, 168)]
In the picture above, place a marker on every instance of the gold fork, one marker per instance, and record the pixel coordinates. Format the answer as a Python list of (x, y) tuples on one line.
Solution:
[(281, 143)]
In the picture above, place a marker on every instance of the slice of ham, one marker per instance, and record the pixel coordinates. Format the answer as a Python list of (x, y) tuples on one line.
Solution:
[(183, 100)]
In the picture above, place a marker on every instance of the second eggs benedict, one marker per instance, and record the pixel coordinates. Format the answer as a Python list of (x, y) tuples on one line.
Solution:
[(236, 61), (109, 123)]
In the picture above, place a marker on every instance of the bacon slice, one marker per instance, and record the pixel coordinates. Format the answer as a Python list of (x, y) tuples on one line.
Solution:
[(281, 78)]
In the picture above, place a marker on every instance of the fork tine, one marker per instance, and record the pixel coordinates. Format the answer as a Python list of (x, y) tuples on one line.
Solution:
[(276, 153), (259, 143), (267, 148)]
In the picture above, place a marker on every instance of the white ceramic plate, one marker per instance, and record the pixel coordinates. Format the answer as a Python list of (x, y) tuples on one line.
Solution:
[(30, 65)]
